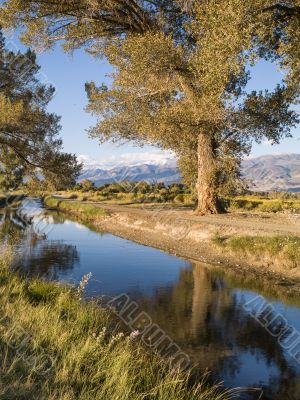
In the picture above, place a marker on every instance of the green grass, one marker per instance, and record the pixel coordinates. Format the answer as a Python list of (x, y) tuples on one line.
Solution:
[(43, 321), (279, 247), (262, 204), (89, 212)]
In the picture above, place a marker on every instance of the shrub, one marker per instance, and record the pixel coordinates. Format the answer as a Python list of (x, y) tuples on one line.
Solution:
[(179, 198), (243, 204), (272, 206), (140, 198), (87, 185)]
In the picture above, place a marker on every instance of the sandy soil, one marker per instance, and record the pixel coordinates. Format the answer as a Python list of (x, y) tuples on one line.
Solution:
[(264, 224)]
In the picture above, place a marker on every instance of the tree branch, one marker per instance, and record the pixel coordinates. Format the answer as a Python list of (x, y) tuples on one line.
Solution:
[(290, 11)]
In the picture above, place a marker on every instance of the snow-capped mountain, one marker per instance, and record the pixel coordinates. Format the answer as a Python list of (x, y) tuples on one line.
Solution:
[(144, 172), (265, 173)]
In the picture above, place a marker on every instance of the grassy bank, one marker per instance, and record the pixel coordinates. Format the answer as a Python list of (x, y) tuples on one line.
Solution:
[(54, 346), (89, 212), (281, 247)]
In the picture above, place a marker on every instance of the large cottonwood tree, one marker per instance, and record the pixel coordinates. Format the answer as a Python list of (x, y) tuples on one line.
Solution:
[(180, 68)]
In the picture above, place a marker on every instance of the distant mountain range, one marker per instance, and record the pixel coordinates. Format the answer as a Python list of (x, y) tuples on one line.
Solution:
[(166, 172), (265, 173), (273, 172)]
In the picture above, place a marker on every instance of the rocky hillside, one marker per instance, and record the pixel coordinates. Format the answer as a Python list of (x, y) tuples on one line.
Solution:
[(273, 172)]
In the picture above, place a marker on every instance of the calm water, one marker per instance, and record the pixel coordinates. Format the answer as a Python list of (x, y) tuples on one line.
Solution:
[(201, 308)]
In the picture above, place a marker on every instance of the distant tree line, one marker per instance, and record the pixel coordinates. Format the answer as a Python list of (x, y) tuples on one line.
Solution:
[(170, 190), (141, 191)]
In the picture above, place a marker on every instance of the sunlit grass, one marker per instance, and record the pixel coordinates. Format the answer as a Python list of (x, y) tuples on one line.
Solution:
[(280, 247), (248, 203), (89, 212), (262, 204), (44, 323)]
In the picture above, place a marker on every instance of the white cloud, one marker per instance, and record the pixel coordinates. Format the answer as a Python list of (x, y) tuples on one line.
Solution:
[(130, 159)]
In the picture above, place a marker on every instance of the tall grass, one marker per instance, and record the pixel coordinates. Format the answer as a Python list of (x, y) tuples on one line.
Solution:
[(279, 247), (54, 346)]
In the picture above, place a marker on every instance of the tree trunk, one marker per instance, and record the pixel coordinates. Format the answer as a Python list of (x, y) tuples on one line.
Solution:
[(207, 176)]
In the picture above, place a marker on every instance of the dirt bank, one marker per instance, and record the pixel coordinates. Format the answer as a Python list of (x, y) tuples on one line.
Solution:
[(180, 233)]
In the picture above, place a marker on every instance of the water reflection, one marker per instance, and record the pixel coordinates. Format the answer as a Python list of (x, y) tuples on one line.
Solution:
[(48, 260), (200, 307), (37, 256), (12, 228), (207, 319)]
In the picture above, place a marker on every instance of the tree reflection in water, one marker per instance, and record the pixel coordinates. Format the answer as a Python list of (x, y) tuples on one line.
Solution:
[(206, 319), (12, 228), (38, 257)]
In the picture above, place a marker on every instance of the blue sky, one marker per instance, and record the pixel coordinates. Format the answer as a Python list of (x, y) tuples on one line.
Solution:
[(69, 73)]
